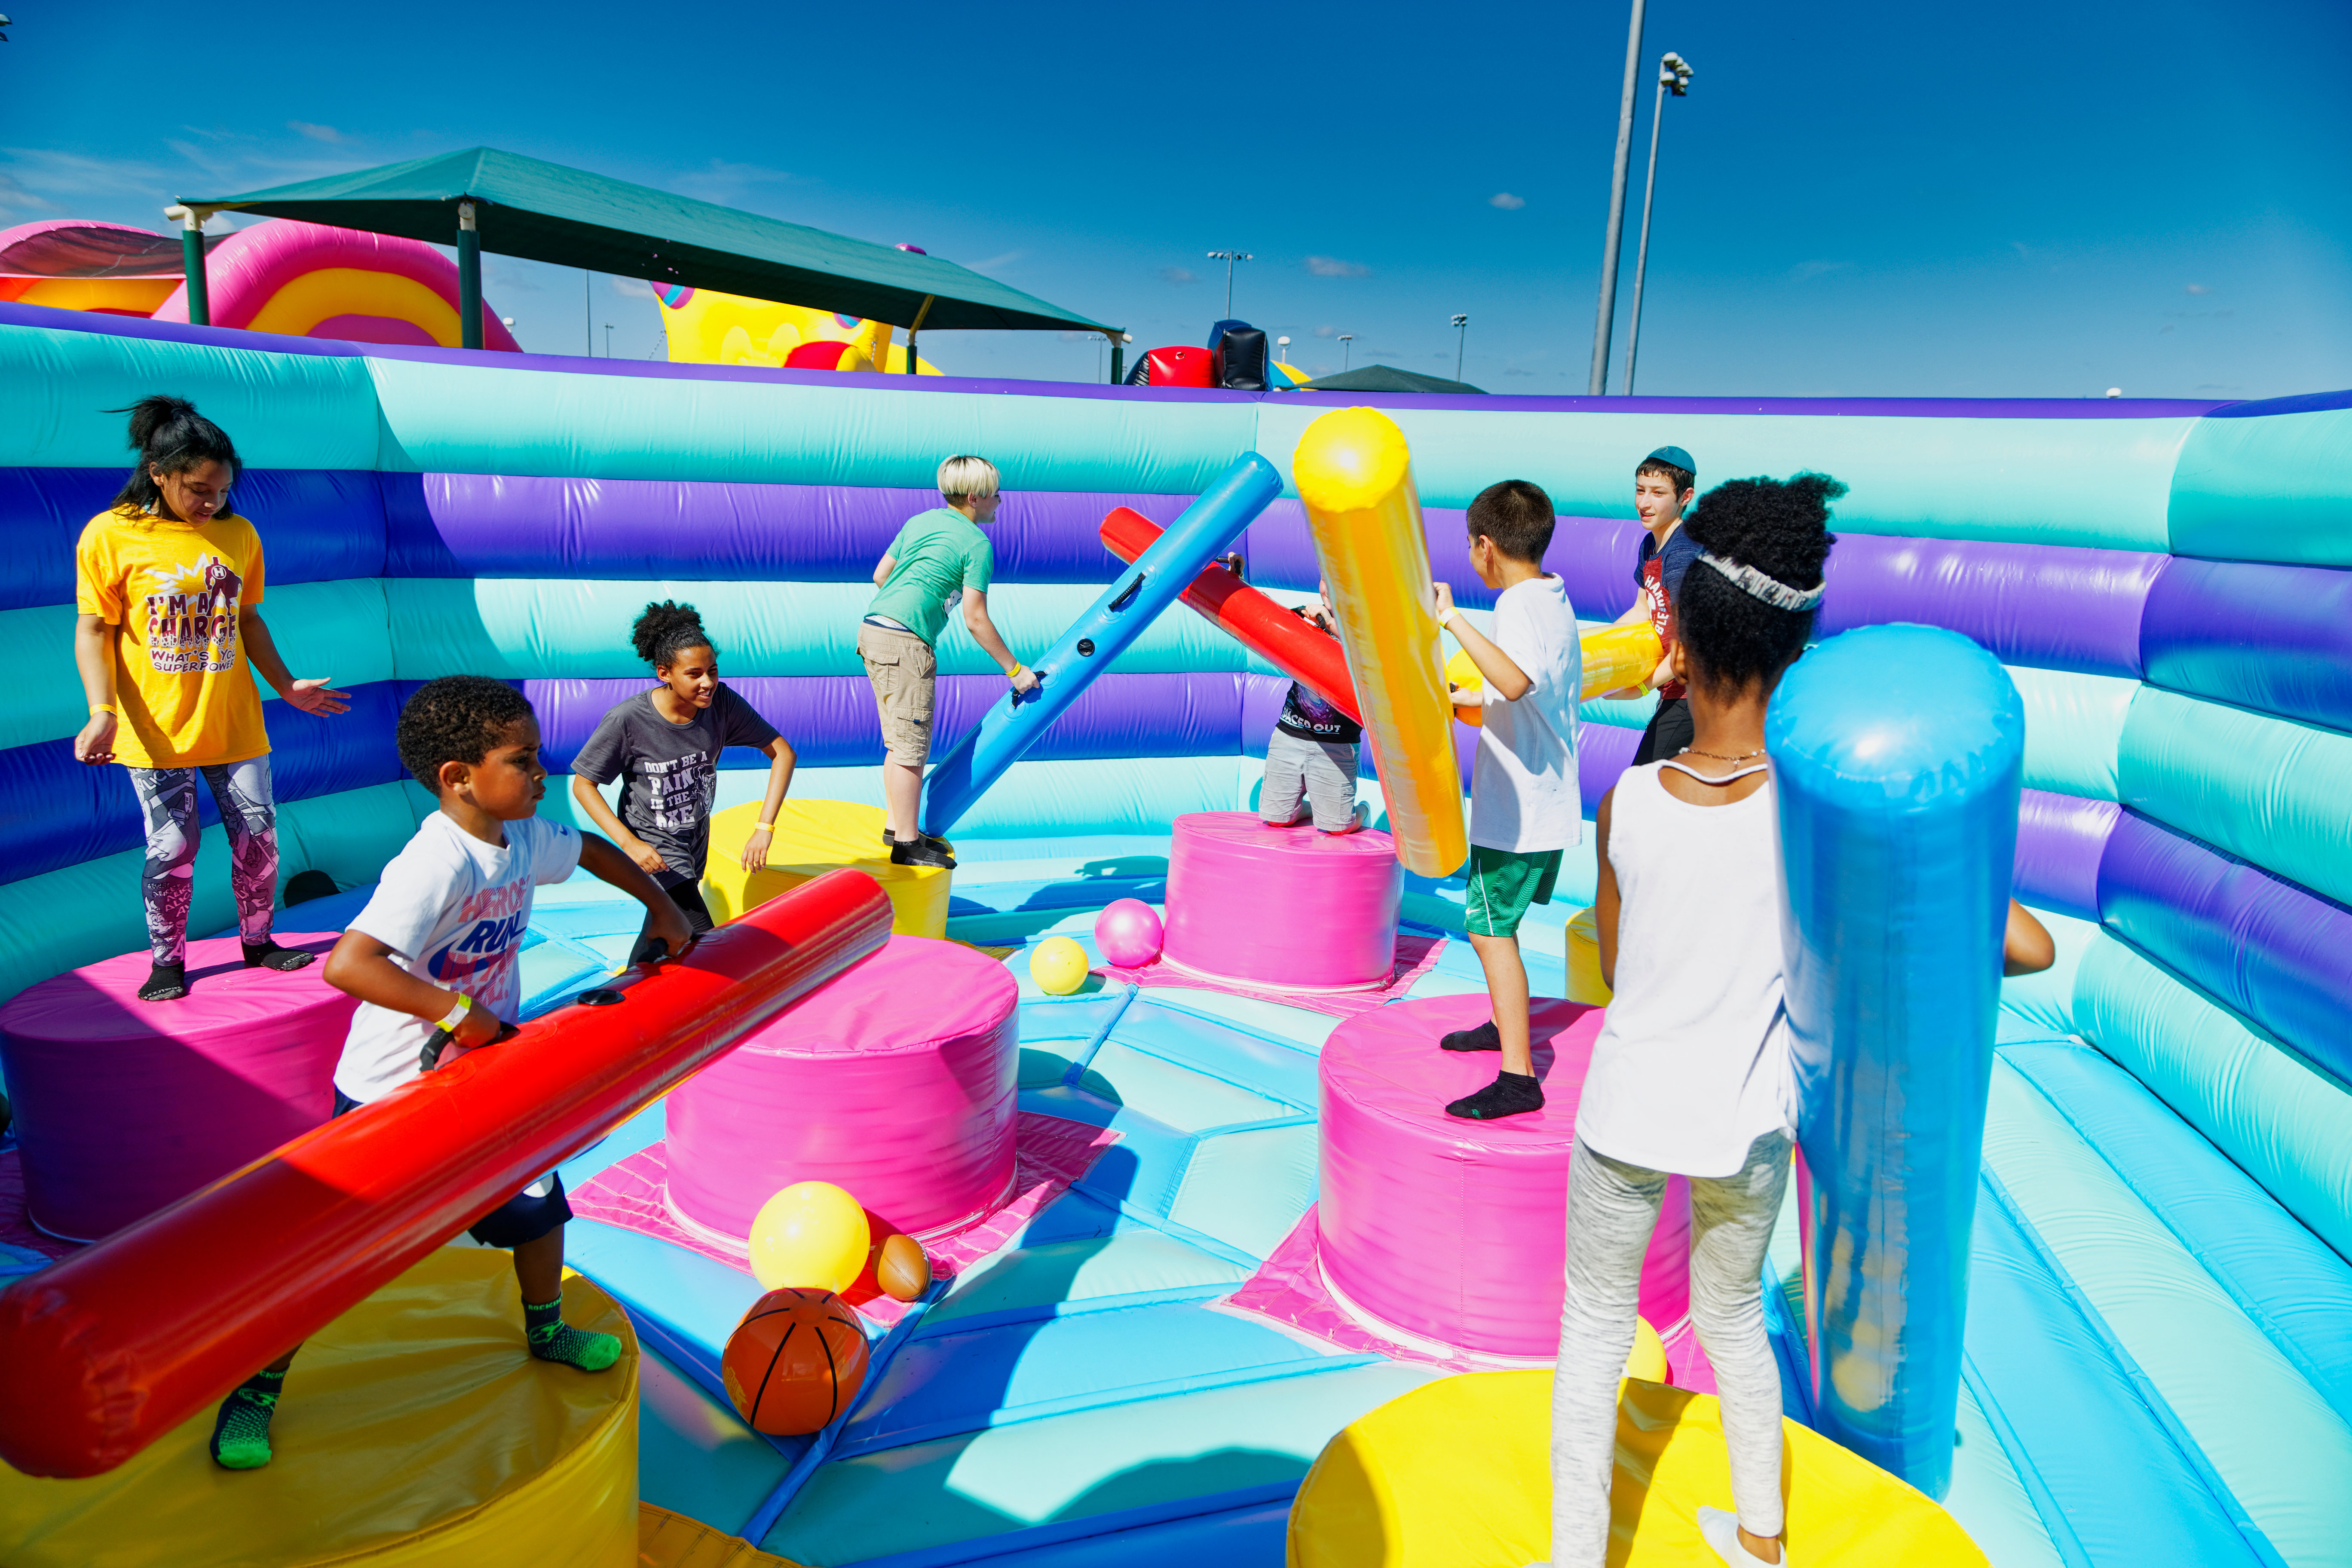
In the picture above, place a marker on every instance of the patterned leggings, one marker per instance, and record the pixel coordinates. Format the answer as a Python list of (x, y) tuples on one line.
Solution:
[(168, 795)]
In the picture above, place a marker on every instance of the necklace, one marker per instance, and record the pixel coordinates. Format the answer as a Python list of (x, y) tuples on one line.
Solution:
[(1721, 756)]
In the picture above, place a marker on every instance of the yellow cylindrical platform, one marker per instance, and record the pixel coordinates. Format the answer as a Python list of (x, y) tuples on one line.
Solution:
[(415, 1430), (1457, 1474), (1354, 475), (1584, 981), (812, 837)]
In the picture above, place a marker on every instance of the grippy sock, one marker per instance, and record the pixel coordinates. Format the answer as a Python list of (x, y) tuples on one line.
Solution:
[(270, 955), (1511, 1094), (165, 982), (552, 1338), (241, 1430)]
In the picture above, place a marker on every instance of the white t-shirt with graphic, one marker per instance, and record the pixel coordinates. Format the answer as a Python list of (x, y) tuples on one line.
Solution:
[(453, 908)]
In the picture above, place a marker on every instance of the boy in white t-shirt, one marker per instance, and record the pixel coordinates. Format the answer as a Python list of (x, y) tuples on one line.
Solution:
[(433, 961), (1525, 806)]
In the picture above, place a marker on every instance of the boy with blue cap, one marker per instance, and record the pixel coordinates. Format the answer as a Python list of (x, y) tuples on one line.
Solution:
[(1663, 484)]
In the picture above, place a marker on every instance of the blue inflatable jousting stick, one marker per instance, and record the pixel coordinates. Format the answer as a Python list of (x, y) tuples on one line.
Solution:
[(1898, 753), (1155, 580)]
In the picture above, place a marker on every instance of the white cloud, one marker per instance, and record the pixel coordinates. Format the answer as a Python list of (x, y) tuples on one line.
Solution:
[(2195, 289), (1507, 201), (1332, 266), (724, 181), (1177, 277), (315, 132), (16, 202), (1324, 332)]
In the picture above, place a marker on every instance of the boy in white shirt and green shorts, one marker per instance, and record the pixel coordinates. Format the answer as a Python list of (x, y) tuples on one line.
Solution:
[(1526, 808)]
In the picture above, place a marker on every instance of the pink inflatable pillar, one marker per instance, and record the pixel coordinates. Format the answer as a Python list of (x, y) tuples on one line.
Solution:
[(1454, 1230), (1282, 907), (124, 1106), (895, 1082)]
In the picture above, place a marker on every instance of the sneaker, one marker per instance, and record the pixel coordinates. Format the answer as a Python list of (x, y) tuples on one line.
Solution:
[(939, 843), (922, 852), (1510, 1094), (1720, 1530), (1485, 1037)]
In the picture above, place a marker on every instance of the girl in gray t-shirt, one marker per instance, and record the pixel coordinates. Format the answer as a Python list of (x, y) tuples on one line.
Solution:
[(663, 746)]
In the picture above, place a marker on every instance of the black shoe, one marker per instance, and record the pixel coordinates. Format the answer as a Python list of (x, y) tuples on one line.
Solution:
[(922, 852), (1485, 1037), (1511, 1094), (940, 845)]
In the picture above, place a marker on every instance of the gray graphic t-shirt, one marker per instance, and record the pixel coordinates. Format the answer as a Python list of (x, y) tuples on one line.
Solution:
[(669, 772)]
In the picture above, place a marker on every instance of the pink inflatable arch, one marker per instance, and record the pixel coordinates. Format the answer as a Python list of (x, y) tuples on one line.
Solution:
[(306, 280)]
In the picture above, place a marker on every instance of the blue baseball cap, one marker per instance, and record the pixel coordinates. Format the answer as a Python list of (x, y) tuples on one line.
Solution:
[(1675, 456)]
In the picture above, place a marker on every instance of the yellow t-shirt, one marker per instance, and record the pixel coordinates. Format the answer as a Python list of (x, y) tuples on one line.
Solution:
[(185, 696)]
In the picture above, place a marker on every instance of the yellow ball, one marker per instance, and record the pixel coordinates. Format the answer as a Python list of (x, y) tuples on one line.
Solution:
[(1460, 672), (813, 1236), (1058, 965)]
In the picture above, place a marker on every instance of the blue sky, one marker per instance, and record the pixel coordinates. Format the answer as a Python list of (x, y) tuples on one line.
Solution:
[(2015, 197)]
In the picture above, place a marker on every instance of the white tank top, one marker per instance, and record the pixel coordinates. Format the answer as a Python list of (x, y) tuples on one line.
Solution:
[(1692, 1064)]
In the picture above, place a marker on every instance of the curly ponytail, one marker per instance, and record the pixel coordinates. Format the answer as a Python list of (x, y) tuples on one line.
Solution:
[(169, 434), (1781, 528), (668, 629)]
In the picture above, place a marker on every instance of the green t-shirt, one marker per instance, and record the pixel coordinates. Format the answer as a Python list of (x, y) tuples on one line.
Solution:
[(939, 554)]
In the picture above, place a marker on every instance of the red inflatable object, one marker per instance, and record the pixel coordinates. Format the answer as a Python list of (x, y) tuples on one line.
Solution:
[(796, 1361), (112, 1348), (1181, 366), (1248, 617), (823, 355)]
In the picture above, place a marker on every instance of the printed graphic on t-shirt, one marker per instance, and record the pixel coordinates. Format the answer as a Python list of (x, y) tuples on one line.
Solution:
[(477, 958), (680, 791), (192, 618)]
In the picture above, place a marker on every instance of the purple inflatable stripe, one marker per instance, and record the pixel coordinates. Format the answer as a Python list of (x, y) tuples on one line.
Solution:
[(831, 719), (2274, 951), (1594, 555), (2058, 607), (2273, 638), (490, 525), (2060, 839)]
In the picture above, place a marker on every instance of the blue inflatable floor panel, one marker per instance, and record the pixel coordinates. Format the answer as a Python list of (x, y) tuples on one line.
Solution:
[(1046, 1274), (1172, 1095), (695, 1456), (695, 1300), (1235, 1055)]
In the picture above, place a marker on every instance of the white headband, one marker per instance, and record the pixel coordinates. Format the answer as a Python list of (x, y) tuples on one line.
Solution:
[(1772, 590)]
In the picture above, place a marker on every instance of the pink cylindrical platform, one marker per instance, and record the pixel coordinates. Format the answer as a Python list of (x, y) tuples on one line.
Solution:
[(123, 1105), (1283, 907), (895, 1082), (1454, 1230)]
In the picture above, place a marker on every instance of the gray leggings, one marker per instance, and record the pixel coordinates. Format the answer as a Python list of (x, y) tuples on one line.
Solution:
[(1323, 772), (168, 798), (1611, 1209)]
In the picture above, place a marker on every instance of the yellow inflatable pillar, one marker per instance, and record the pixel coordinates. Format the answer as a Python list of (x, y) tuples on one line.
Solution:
[(1457, 1474), (416, 1431), (1355, 476), (812, 837), (1584, 981)]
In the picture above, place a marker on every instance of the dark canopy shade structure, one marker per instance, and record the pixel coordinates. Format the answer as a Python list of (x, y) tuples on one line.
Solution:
[(1387, 378), (521, 206)]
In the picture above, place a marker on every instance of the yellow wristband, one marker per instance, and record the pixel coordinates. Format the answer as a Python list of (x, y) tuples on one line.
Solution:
[(98, 708), (765, 828), (1017, 668), (457, 1014)]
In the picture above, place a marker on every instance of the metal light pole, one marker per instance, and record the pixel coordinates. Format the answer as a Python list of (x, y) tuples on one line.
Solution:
[(1615, 241), (1345, 339), (1461, 335), (1229, 257), (1674, 76), (1283, 343)]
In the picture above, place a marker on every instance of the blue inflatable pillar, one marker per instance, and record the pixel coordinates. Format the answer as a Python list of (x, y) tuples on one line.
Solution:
[(1898, 753), (1134, 600)]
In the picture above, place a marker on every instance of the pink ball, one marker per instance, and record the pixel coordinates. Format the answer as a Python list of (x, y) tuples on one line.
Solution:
[(1128, 934)]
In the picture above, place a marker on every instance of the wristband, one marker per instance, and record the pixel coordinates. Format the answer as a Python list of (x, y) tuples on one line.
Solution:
[(457, 1014), (765, 828), (1453, 613), (1014, 674), (98, 708)]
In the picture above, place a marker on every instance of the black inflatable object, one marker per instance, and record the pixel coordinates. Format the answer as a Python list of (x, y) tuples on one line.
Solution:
[(304, 886), (1142, 374), (1240, 356)]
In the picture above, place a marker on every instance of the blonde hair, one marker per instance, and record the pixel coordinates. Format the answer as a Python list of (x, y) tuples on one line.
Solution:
[(963, 478)]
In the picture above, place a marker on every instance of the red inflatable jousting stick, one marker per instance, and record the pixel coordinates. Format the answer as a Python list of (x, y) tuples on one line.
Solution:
[(1248, 617), (111, 1349)]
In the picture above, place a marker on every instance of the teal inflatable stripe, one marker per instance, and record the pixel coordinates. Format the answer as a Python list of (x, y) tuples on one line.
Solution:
[(2074, 725), (2281, 1120), (2277, 486), (337, 630), (2100, 482), (283, 411), (475, 419), (2201, 1354), (2037, 1007), (2267, 790), (518, 629)]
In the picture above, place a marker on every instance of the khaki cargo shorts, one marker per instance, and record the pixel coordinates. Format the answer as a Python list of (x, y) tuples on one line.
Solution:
[(904, 671)]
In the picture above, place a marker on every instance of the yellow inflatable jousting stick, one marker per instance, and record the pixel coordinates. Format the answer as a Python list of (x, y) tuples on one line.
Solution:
[(1355, 476)]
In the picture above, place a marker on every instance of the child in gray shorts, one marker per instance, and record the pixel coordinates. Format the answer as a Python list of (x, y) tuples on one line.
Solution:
[(1311, 755)]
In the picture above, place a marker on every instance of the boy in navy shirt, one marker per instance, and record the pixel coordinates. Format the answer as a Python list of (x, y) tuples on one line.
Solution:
[(1663, 484)]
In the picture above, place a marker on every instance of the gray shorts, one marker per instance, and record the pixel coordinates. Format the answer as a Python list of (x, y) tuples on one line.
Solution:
[(1322, 772)]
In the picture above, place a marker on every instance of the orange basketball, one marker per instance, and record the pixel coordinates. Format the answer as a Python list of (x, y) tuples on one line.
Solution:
[(796, 1361)]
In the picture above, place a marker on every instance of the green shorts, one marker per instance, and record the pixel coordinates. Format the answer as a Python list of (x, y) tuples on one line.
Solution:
[(1503, 883)]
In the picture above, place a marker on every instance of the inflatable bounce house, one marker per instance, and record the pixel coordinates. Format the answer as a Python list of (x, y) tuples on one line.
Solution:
[(705, 326), (1091, 1203)]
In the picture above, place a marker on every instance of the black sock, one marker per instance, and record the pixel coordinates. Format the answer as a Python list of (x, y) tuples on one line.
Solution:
[(1485, 1037), (267, 954), (1511, 1094), (241, 1430), (165, 982)]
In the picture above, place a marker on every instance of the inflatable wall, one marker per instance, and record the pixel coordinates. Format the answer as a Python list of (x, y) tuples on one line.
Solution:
[(2158, 1269)]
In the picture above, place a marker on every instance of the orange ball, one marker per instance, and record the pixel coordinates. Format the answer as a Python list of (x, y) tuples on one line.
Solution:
[(902, 1268), (796, 1361)]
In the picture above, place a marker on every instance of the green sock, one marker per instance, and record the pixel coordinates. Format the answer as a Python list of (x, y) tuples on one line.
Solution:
[(552, 1338), (241, 1431)]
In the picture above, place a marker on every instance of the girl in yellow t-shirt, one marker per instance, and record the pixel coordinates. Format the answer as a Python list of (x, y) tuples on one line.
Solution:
[(168, 583)]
